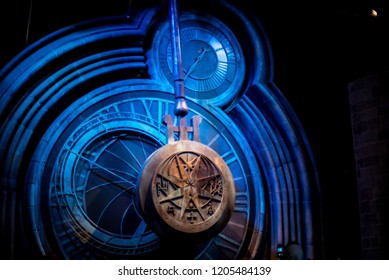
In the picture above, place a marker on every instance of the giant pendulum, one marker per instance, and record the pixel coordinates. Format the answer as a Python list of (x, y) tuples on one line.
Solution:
[(185, 189)]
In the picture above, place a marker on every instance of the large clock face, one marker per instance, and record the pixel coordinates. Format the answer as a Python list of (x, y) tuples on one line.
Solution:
[(213, 63), (86, 172)]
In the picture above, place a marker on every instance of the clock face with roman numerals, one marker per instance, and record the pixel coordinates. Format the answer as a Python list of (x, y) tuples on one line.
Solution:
[(213, 62), (87, 170)]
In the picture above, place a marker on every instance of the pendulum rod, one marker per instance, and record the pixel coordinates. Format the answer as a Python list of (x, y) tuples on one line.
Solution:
[(181, 107)]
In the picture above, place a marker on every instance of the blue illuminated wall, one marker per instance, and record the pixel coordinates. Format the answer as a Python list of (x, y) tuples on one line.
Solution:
[(61, 83)]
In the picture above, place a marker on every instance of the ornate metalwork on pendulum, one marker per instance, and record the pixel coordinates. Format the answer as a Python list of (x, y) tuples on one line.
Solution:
[(186, 190)]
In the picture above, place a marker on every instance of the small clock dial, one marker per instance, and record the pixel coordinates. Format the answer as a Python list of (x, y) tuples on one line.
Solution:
[(213, 63)]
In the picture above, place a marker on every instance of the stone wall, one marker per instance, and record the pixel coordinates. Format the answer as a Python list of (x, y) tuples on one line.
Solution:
[(369, 105)]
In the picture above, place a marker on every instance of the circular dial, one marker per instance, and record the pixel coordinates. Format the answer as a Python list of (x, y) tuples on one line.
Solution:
[(213, 64), (186, 191), (85, 169), (94, 166)]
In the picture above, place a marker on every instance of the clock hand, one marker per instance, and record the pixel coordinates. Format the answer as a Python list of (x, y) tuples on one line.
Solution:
[(105, 169), (197, 60)]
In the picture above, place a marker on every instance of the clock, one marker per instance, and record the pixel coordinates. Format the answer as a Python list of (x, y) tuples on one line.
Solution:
[(213, 61), (85, 172), (76, 133)]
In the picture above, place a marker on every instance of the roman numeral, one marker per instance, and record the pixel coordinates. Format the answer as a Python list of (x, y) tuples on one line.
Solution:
[(241, 203), (227, 245)]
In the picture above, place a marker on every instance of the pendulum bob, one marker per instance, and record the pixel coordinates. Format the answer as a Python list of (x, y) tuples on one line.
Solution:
[(186, 191)]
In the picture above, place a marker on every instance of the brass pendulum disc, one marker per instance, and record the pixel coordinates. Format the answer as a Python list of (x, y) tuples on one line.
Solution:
[(186, 190)]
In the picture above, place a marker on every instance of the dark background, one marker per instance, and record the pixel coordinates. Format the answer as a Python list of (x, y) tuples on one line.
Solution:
[(318, 47)]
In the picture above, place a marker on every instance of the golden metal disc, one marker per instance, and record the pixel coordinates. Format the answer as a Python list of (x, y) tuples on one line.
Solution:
[(186, 189)]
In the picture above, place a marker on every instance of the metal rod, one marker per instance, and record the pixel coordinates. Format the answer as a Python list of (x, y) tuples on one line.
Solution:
[(181, 107), (29, 22)]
